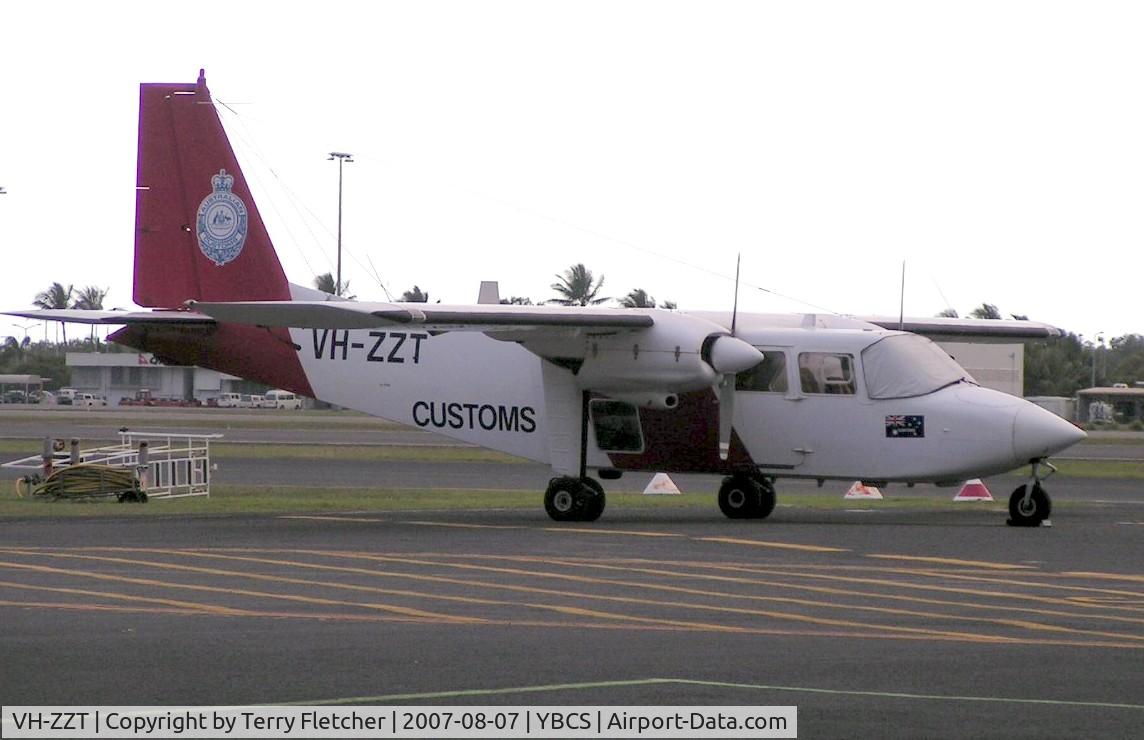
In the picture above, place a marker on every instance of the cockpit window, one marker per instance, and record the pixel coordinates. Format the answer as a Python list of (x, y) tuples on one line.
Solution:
[(826, 372), (906, 365)]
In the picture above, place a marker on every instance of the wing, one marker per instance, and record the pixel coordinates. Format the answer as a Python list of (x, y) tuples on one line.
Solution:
[(957, 329), (434, 317)]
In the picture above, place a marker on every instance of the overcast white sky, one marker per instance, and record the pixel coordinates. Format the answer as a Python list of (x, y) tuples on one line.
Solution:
[(997, 148)]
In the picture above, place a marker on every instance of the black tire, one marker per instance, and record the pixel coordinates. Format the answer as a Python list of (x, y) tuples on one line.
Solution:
[(740, 497), (1031, 512), (561, 497), (766, 499), (594, 500)]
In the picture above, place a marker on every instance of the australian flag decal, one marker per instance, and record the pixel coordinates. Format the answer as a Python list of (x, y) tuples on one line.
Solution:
[(906, 426)]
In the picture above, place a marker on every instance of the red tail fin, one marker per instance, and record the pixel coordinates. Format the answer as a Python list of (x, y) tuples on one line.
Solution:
[(198, 233)]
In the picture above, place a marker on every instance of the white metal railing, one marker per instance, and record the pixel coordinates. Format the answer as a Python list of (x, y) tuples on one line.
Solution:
[(166, 465)]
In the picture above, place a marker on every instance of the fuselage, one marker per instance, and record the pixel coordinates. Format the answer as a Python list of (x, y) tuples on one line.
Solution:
[(847, 403)]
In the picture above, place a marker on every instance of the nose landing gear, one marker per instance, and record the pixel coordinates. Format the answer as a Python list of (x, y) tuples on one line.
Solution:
[(1030, 505)]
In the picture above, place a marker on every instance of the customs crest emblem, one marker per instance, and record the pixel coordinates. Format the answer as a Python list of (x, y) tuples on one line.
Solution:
[(222, 221)]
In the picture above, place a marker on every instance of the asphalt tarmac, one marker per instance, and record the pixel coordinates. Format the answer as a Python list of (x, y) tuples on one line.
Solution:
[(893, 622)]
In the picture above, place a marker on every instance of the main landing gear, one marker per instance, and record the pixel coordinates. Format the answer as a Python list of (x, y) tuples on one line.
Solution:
[(746, 496), (569, 499), (1030, 504)]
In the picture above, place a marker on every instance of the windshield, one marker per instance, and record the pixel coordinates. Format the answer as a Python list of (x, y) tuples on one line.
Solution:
[(906, 365)]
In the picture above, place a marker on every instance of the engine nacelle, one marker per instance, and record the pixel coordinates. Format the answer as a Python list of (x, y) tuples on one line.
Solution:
[(679, 353)]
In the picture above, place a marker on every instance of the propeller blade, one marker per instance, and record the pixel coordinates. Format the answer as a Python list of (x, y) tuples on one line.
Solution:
[(725, 392)]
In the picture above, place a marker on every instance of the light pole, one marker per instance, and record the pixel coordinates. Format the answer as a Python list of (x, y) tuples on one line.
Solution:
[(25, 327), (342, 158), (1100, 339)]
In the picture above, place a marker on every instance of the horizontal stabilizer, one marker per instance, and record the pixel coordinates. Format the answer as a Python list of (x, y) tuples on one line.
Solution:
[(363, 315)]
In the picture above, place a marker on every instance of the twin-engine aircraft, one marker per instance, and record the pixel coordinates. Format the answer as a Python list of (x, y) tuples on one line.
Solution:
[(752, 398)]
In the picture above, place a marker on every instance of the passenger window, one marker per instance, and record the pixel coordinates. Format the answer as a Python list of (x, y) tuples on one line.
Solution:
[(826, 372), (769, 376)]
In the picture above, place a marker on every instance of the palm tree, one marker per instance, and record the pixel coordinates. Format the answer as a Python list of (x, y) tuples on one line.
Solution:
[(576, 287), (56, 297), (325, 283), (415, 296), (948, 313), (91, 299), (638, 298), (985, 311)]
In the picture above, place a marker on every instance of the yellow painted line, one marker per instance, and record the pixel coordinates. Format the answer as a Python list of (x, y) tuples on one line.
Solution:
[(124, 597), (1023, 624), (766, 543), (592, 530), (458, 525), (403, 611), (1131, 578), (330, 518), (863, 629), (955, 561), (825, 621), (117, 608)]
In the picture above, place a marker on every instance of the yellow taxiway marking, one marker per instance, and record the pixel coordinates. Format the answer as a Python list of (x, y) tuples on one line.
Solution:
[(458, 525), (333, 585), (954, 561), (170, 603), (863, 630), (767, 543), (400, 610), (640, 533), (330, 518), (629, 532), (823, 621), (1131, 578)]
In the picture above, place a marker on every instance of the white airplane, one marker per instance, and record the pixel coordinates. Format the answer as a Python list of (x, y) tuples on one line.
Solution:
[(753, 398)]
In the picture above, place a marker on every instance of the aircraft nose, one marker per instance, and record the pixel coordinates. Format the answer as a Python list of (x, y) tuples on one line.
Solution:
[(1039, 433)]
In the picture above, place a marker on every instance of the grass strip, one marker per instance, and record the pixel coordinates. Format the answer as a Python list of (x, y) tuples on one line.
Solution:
[(15, 449), (235, 499)]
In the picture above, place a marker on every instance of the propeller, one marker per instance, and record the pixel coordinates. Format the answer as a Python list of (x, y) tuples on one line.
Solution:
[(730, 356)]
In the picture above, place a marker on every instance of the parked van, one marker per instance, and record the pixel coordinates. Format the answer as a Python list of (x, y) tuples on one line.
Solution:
[(65, 396), (277, 399), (88, 400), (228, 400)]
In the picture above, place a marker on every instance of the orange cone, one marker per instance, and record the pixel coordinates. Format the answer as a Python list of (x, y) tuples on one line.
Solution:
[(861, 490), (973, 490)]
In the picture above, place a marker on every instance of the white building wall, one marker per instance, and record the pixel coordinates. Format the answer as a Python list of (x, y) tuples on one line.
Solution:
[(997, 366), (116, 375)]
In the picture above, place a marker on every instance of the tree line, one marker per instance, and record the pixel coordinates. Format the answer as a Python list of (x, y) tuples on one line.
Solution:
[(577, 286)]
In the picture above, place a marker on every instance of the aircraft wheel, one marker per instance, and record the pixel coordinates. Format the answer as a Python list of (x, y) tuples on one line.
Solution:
[(594, 500), (574, 499), (740, 497), (561, 497), (766, 498), (1029, 512)]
